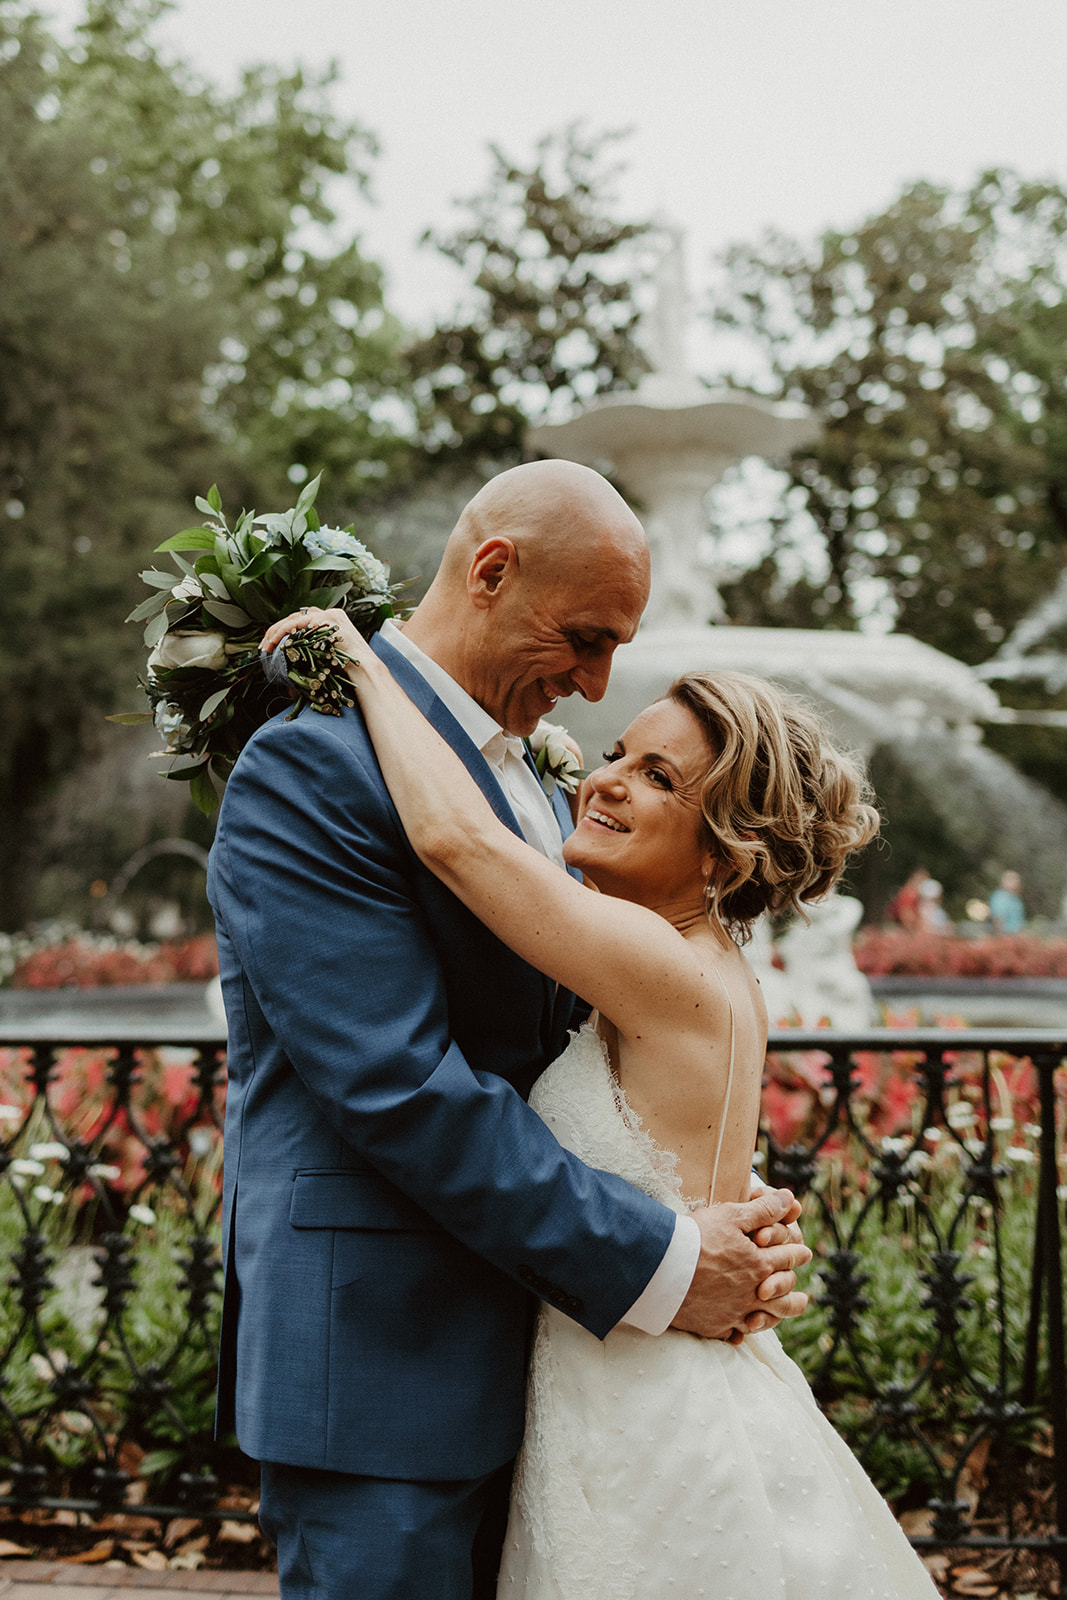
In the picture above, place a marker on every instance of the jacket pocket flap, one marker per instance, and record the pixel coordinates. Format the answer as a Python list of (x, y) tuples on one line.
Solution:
[(354, 1200)]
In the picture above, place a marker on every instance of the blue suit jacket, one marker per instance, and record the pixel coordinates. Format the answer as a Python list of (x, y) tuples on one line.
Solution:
[(390, 1199)]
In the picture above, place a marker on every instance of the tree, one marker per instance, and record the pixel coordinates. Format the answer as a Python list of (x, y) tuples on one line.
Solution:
[(163, 323), (553, 313), (931, 341)]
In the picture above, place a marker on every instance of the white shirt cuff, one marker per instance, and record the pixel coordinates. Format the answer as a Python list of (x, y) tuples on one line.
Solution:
[(659, 1302)]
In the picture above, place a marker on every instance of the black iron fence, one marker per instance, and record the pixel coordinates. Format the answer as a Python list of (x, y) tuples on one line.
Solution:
[(929, 1163)]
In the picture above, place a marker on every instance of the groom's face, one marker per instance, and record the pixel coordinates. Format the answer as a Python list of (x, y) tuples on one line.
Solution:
[(553, 639)]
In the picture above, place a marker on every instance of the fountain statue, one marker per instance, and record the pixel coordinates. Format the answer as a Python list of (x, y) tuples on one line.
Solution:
[(668, 442)]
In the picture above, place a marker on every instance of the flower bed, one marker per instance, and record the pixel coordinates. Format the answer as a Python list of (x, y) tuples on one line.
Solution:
[(885, 952), (61, 957)]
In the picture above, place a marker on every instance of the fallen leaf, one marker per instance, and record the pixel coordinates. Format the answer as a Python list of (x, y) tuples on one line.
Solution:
[(972, 1478), (98, 1552), (237, 1532), (128, 1522), (917, 1524), (192, 1546), (151, 1560), (9, 1548), (974, 1581), (178, 1528), (188, 1561)]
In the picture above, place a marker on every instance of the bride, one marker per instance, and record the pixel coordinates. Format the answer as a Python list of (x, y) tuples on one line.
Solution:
[(655, 1467)]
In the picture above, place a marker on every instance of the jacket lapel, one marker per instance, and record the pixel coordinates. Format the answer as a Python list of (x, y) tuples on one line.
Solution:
[(438, 715)]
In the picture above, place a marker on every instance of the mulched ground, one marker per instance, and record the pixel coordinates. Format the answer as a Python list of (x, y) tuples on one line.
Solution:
[(157, 1544)]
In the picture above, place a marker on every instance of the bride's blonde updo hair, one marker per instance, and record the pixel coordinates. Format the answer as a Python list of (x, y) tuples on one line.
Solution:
[(783, 809)]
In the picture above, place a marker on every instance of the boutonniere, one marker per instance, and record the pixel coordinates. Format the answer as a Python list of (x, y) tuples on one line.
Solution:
[(554, 754)]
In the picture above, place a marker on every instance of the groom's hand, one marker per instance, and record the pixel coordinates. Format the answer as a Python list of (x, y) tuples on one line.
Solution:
[(745, 1278)]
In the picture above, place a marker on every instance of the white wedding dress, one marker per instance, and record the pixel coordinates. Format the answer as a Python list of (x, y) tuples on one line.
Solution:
[(672, 1468)]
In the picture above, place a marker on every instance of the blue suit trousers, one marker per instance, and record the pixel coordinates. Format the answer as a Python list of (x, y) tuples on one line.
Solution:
[(343, 1537)]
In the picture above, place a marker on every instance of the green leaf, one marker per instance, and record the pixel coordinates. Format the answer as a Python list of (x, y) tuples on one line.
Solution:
[(232, 616), (158, 580), (158, 1461), (186, 774), (307, 496), (259, 564), (156, 629), (130, 719), (211, 581), (330, 597), (214, 499), (212, 702), (202, 793), (190, 539)]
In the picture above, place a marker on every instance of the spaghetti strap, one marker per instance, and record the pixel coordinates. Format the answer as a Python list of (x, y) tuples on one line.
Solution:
[(729, 1087)]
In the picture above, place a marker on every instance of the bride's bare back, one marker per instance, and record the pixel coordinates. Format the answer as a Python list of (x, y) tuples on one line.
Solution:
[(696, 1086)]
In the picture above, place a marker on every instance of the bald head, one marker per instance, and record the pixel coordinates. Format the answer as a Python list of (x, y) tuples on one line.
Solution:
[(546, 571), (555, 512)]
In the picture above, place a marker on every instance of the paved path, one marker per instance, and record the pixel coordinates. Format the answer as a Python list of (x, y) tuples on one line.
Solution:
[(58, 1580)]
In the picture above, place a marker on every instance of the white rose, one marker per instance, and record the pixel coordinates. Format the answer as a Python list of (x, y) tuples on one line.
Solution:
[(206, 650)]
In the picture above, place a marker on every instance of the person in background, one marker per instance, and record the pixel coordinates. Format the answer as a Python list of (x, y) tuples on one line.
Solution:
[(1006, 910), (904, 908), (933, 918)]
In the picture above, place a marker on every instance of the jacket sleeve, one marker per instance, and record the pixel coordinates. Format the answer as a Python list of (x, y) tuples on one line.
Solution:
[(313, 883)]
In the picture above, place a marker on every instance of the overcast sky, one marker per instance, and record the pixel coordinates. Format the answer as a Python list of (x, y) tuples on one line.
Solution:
[(796, 114)]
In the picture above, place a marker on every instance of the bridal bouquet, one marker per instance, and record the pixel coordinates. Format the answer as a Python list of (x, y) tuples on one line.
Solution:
[(205, 679)]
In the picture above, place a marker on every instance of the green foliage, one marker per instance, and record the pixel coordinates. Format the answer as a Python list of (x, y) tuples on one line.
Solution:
[(553, 316), (932, 341), (205, 680), (163, 321)]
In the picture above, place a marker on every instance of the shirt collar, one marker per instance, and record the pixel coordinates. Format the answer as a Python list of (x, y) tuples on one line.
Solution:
[(476, 722)]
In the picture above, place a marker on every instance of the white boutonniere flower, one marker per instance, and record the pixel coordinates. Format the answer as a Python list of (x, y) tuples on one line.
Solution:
[(555, 758)]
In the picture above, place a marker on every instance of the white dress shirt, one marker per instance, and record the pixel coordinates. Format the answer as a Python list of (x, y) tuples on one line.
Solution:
[(658, 1303)]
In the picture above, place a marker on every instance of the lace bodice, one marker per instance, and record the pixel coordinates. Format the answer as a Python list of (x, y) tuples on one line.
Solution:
[(580, 1100)]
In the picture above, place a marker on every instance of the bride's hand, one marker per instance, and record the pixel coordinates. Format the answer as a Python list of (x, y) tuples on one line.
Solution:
[(349, 639)]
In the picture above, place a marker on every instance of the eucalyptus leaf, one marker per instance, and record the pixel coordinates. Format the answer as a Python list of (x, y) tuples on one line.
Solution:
[(148, 608), (130, 719), (212, 702), (158, 580), (233, 616), (275, 522), (215, 584), (191, 539), (155, 630)]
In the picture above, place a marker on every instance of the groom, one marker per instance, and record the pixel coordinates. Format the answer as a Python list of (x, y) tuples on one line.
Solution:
[(390, 1199)]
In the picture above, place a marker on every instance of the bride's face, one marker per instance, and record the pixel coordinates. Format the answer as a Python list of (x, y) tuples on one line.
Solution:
[(639, 832)]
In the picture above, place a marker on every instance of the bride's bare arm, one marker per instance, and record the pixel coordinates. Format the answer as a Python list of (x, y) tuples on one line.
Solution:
[(624, 959)]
